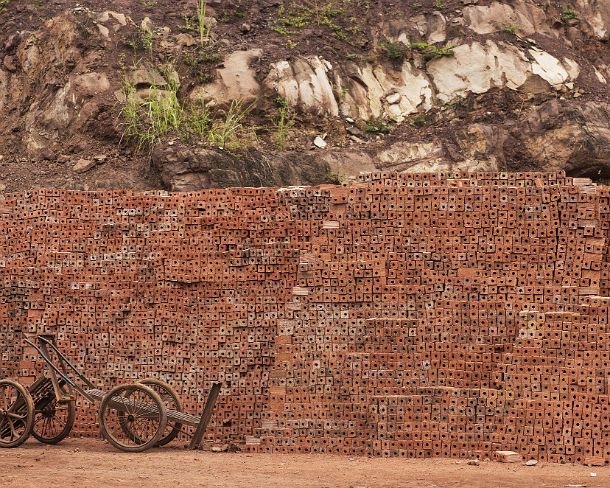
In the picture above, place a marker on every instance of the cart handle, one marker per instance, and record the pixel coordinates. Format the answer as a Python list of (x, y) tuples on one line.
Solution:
[(49, 363), (61, 373)]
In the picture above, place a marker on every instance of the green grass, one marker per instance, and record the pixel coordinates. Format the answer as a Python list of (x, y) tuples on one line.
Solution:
[(298, 15), (199, 121), (145, 121), (283, 122), (203, 28), (225, 131)]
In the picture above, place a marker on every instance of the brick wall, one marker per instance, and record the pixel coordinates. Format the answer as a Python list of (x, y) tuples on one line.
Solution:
[(412, 315)]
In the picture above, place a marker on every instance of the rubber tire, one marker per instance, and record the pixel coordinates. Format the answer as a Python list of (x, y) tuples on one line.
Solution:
[(30, 414), (171, 392), (64, 433), (162, 424)]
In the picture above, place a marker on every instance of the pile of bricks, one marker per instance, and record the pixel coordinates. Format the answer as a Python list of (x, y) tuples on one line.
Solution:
[(404, 315)]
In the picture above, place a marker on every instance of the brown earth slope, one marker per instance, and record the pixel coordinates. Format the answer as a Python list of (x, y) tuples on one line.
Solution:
[(134, 94)]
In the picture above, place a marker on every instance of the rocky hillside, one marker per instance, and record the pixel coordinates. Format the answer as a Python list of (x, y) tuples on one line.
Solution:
[(190, 94)]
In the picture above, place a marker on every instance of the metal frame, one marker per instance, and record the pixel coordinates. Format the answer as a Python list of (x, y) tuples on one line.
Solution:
[(92, 394), (49, 340)]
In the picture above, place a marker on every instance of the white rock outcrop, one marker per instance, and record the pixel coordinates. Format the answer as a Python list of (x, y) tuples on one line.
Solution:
[(476, 68), (523, 16), (305, 83), (372, 91)]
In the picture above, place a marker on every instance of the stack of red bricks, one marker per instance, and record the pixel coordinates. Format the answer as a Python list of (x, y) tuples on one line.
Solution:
[(404, 315)]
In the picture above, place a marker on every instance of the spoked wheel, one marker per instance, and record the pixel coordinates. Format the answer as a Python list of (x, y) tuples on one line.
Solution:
[(133, 418), (16, 414), (54, 421), (169, 397)]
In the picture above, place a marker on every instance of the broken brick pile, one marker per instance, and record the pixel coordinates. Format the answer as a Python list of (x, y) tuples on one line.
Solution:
[(404, 315)]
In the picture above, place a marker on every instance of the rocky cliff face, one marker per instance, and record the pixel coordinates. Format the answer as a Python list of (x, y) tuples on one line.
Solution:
[(283, 93)]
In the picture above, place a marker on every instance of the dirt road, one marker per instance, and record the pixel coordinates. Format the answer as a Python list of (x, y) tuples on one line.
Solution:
[(91, 463)]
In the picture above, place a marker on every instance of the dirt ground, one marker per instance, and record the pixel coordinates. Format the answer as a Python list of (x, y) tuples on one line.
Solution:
[(88, 463)]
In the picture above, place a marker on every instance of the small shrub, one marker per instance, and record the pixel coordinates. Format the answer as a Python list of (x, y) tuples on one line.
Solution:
[(568, 14), (201, 62), (189, 23), (418, 121), (395, 51), (440, 4), (4, 5), (377, 126), (334, 178), (512, 29), (430, 51)]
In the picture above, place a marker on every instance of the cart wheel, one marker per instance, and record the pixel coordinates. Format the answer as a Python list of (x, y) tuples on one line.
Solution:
[(169, 397), (133, 417), (16, 414), (54, 421)]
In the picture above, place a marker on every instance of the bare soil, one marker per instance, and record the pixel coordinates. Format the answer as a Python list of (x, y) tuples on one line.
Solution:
[(90, 463)]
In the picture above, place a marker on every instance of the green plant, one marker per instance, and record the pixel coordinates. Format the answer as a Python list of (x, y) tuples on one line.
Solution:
[(146, 120), (568, 14), (334, 178), (377, 126), (280, 29), (283, 122), (146, 38), (395, 51), (141, 40), (203, 27), (189, 23), (199, 120), (418, 121), (512, 28), (149, 3), (4, 5), (130, 115), (224, 132), (430, 51), (455, 103), (200, 61), (229, 16), (440, 4), (309, 13), (365, 58)]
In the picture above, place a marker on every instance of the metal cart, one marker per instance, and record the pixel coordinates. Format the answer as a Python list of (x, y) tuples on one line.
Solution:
[(132, 417)]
